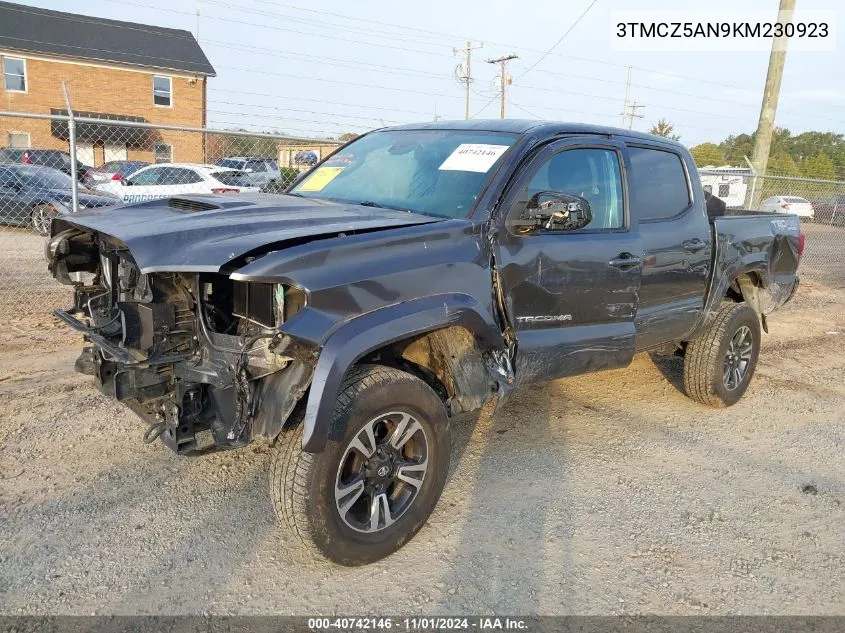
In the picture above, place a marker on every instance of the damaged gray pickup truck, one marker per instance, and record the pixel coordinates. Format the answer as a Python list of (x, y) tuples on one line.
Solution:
[(412, 276)]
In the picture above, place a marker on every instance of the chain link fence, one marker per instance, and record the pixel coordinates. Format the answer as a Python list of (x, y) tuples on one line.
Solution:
[(819, 203), (82, 162)]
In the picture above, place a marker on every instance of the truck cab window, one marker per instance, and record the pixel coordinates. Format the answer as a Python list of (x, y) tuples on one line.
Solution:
[(661, 189), (593, 174)]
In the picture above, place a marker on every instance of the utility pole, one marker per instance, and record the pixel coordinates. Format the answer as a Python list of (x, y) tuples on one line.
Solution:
[(629, 110), (630, 114), (467, 77), (503, 78), (771, 92)]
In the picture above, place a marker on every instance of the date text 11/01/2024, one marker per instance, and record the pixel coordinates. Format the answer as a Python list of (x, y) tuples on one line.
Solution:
[(418, 623)]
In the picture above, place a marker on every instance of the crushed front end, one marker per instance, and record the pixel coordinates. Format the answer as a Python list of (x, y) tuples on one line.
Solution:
[(199, 357)]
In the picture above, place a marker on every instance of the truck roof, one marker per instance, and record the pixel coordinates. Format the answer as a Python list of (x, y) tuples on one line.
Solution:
[(522, 126)]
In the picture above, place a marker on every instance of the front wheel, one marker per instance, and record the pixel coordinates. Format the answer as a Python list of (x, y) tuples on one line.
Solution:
[(380, 475), (718, 366)]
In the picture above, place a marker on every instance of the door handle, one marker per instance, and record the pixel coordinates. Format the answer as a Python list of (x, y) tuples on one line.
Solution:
[(624, 261), (694, 245)]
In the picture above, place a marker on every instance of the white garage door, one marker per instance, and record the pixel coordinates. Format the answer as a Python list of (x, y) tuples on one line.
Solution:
[(114, 152), (85, 154)]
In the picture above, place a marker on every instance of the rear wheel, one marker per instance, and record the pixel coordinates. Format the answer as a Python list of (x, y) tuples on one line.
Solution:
[(380, 475), (719, 365), (40, 218)]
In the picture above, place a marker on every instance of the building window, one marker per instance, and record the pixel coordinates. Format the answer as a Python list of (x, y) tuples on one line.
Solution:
[(18, 139), (163, 153), (162, 91), (14, 74)]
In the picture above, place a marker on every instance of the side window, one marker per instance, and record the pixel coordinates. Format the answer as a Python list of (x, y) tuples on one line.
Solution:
[(178, 176), (6, 179), (593, 174), (162, 91), (163, 153), (256, 166), (149, 177), (659, 188), (186, 176), (14, 74)]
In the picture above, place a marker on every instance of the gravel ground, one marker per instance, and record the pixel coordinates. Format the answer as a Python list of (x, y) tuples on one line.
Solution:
[(604, 494)]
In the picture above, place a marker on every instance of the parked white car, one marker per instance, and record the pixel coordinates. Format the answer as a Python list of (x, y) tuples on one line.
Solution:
[(789, 204), (170, 179)]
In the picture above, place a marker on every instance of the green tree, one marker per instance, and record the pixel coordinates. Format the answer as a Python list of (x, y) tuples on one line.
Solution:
[(708, 154), (665, 129), (819, 166), (781, 164), (348, 136), (735, 148)]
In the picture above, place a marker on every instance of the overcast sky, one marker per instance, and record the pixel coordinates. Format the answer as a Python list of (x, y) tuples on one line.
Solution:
[(311, 68)]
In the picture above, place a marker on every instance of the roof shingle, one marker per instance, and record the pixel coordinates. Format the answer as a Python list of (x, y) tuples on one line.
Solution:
[(34, 30)]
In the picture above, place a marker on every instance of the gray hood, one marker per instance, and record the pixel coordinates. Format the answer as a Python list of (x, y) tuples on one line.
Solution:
[(182, 234)]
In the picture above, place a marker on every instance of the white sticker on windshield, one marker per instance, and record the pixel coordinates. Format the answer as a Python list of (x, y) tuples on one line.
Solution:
[(477, 157)]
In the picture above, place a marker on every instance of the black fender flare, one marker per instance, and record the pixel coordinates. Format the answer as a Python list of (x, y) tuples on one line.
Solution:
[(719, 289), (369, 332)]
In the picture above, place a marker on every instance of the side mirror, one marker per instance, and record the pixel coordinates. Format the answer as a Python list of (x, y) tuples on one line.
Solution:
[(555, 211), (248, 170)]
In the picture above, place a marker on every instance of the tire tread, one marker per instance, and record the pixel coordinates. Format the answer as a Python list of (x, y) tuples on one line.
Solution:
[(290, 466), (702, 357)]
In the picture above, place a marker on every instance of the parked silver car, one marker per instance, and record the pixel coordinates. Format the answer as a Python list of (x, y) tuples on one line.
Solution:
[(260, 170)]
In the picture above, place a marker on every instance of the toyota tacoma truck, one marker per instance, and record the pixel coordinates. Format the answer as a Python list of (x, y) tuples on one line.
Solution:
[(414, 275)]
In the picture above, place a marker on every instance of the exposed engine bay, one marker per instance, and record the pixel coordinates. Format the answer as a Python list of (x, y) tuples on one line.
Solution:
[(185, 351)]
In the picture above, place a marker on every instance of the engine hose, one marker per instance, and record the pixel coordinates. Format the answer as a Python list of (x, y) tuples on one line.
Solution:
[(153, 432)]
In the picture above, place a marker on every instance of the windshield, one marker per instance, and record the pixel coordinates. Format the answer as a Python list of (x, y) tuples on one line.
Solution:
[(436, 172), (45, 178)]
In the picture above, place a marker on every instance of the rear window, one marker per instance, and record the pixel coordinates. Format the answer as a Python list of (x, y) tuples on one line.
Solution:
[(231, 163), (233, 178), (48, 157), (659, 185)]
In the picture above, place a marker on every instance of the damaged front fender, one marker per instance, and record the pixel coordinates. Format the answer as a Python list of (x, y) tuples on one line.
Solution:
[(375, 330)]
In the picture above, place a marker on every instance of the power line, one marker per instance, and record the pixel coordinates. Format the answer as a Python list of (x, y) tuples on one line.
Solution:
[(450, 36), (262, 12), (264, 116), (321, 101), (276, 108), (351, 83), (317, 59), (562, 37), (486, 105)]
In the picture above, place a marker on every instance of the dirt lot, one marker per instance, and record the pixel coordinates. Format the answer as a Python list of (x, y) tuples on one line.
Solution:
[(604, 494)]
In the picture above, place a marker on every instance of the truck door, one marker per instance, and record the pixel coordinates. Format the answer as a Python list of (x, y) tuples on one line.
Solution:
[(571, 292), (676, 244)]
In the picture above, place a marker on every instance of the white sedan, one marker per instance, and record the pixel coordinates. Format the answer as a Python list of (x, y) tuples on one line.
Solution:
[(171, 179), (789, 204)]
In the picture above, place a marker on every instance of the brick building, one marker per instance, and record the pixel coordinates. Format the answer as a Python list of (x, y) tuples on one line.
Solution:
[(114, 70)]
